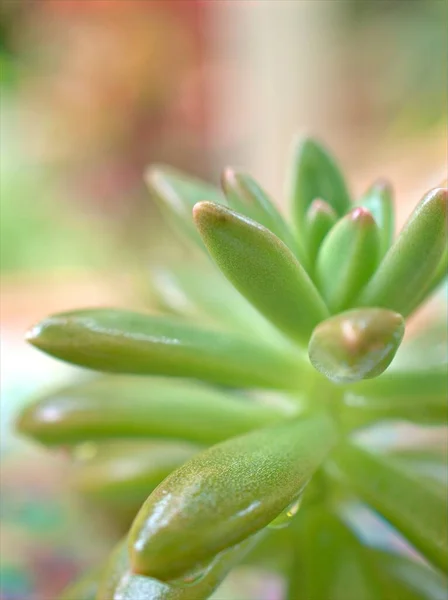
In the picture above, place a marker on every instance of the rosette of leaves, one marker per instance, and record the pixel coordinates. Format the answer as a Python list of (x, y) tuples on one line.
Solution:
[(237, 413)]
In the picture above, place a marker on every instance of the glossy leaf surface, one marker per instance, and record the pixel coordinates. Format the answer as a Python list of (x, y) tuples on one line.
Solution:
[(347, 259), (416, 510), (329, 561), (262, 268), (126, 407), (379, 202), (409, 265), (319, 219), (127, 342), (224, 495), (176, 193), (355, 345), (245, 196), (314, 174)]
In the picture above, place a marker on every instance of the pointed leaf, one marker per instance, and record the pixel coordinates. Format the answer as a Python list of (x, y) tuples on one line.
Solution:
[(347, 259), (379, 202), (225, 494), (411, 261), (124, 473), (128, 407), (314, 174), (416, 510), (119, 583), (319, 219), (245, 196), (329, 562), (126, 342), (176, 193), (357, 344), (262, 268)]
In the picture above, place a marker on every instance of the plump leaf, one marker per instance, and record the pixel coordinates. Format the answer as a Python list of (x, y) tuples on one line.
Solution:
[(319, 219), (225, 494), (329, 562), (418, 511), (119, 583), (406, 579), (176, 193), (429, 383), (314, 174), (126, 342), (262, 268), (439, 277), (409, 265), (204, 294), (347, 259), (357, 344), (85, 588), (245, 196), (379, 202), (124, 473), (129, 407)]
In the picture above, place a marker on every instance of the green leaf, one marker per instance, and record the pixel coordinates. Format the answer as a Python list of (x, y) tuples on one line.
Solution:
[(347, 259), (176, 193), (262, 268), (439, 277), (329, 562), (357, 344), (406, 579), (319, 219), (129, 407), (409, 265), (245, 196), (225, 494), (119, 583), (203, 292), (314, 174), (84, 588), (418, 511), (127, 342), (379, 202), (413, 383), (124, 473)]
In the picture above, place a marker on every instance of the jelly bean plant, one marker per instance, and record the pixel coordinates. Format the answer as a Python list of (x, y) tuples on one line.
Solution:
[(235, 425)]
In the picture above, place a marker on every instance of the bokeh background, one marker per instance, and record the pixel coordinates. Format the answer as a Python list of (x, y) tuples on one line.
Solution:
[(91, 91)]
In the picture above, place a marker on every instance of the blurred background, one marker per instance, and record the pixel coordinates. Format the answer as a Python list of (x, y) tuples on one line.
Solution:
[(91, 91)]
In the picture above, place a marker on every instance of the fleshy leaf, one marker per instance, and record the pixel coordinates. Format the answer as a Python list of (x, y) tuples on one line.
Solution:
[(314, 174), (119, 583), (127, 342), (379, 202), (262, 268), (205, 292), (319, 219), (439, 277), (329, 562), (418, 511), (245, 196), (124, 473), (176, 193), (347, 259), (129, 407), (357, 344), (225, 494), (409, 265)]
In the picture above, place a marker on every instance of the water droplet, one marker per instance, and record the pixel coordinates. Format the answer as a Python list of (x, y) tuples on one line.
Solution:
[(285, 517)]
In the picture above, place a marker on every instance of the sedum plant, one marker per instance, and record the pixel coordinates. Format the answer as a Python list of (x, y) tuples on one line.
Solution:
[(234, 428)]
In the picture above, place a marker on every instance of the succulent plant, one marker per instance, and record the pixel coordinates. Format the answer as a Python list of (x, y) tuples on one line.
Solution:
[(235, 427)]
